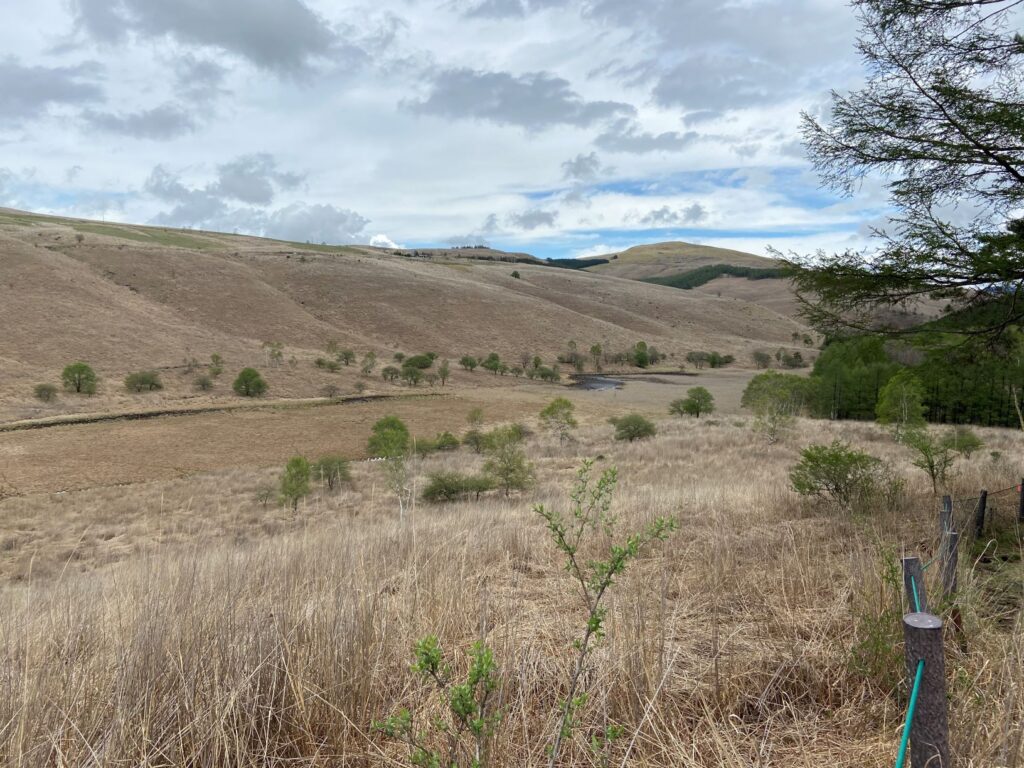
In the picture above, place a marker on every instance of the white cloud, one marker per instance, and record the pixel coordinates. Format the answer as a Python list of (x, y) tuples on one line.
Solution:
[(383, 241)]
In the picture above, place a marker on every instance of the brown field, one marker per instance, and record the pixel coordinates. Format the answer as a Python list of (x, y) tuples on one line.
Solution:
[(181, 622), (667, 259)]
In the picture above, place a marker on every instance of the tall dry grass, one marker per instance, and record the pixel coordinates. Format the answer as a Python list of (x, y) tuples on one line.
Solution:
[(729, 645)]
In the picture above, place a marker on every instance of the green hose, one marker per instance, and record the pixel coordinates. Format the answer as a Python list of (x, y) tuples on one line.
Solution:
[(901, 758)]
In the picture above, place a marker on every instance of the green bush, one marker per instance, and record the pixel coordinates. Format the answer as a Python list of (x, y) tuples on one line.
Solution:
[(79, 378), (558, 417), (633, 427), (446, 441), (332, 470), (935, 454), (506, 462), (418, 361), (390, 373), (451, 486), (835, 472), (203, 383), (249, 383), (143, 381), (412, 376), (476, 440), (45, 392), (389, 438), (469, 362)]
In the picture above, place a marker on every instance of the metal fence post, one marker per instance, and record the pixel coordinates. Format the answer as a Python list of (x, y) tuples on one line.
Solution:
[(929, 730), (913, 584), (979, 515)]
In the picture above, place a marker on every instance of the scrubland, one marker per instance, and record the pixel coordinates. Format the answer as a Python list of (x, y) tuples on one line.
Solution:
[(184, 622)]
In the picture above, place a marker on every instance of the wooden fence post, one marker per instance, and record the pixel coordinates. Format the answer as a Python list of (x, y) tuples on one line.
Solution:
[(979, 515), (950, 548), (946, 516), (1020, 503), (913, 584), (929, 730)]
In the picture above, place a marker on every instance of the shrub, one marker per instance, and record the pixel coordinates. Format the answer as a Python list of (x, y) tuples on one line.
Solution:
[(203, 383), (295, 482), (516, 275), (835, 472), (45, 392), (79, 378), (469, 362), (390, 373), (633, 427), (475, 417), (762, 359), (639, 356), (418, 361), (557, 417), (717, 360), (446, 441), (697, 359), (389, 438), (697, 401), (143, 381), (451, 486), (369, 363), (332, 470), (216, 367), (546, 374), (476, 440), (936, 455), (331, 391), (412, 376), (492, 363), (249, 383)]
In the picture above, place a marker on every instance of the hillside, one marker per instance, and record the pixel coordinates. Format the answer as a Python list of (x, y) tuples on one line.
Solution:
[(668, 259), (126, 298)]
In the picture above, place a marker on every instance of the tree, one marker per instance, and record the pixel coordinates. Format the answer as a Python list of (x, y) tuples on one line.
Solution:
[(45, 392), (469, 362), (633, 427), (249, 383), (640, 357), (557, 417), (390, 373), (901, 403), (79, 378), (346, 356), (143, 381), (412, 375), (596, 352), (295, 482), (775, 398), (698, 400), (935, 454), (506, 462), (389, 438), (332, 470), (939, 121), (216, 367), (492, 363), (368, 364), (444, 372), (203, 383), (762, 359), (697, 359)]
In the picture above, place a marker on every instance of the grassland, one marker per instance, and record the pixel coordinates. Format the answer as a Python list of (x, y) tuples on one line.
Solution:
[(181, 622)]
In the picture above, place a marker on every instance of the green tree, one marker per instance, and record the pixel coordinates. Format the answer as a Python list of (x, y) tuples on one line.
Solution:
[(762, 359), (295, 482), (492, 363), (444, 372), (346, 357), (368, 364), (697, 401), (939, 120), (506, 462), (389, 438), (697, 359), (901, 403), (47, 393), (935, 454), (412, 375), (216, 367), (640, 357), (143, 381), (79, 378), (332, 470), (776, 399), (249, 383), (390, 373), (468, 362), (595, 353), (558, 417), (633, 427)]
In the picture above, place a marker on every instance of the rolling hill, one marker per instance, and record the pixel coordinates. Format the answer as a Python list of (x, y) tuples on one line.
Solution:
[(128, 297)]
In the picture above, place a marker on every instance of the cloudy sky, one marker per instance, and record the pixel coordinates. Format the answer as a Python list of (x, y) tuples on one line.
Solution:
[(560, 127)]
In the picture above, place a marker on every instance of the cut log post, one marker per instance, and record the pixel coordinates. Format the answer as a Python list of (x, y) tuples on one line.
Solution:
[(929, 729), (946, 516), (1020, 502), (913, 583), (979, 515), (950, 549)]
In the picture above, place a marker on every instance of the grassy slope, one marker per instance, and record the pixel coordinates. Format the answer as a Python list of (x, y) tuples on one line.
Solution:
[(127, 298), (667, 259)]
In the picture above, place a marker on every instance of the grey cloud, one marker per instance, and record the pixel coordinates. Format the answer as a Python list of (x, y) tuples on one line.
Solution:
[(279, 35), (701, 116), (582, 167), (253, 179), (533, 219), (464, 241), (626, 136), (535, 100), (315, 223), (167, 121), (666, 217), (193, 207), (507, 8), (200, 80), (27, 92)]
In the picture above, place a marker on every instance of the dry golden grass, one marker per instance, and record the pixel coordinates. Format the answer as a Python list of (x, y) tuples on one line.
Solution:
[(230, 634)]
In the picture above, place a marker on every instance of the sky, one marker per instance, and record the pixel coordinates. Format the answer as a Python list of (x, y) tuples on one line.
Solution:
[(563, 128)]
